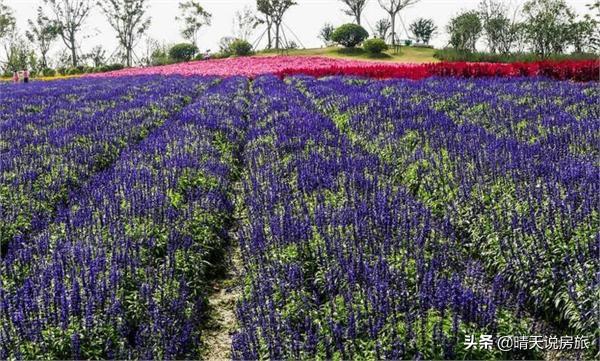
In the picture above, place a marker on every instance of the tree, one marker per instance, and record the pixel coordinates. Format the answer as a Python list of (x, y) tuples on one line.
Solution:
[(382, 27), (349, 35), (127, 18), (263, 6), (182, 52), (497, 27), (547, 25), (42, 32), (70, 15), (393, 8), (595, 19), (355, 8), (326, 33), (581, 34), (465, 29), (97, 56), (7, 20), (423, 30), (274, 10), (194, 17), (19, 55), (245, 22), (149, 44), (517, 40), (63, 60), (497, 34), (584, 34)]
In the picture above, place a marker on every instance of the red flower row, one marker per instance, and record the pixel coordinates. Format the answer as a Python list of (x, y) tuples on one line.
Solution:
[(564, 70), (587, 70)]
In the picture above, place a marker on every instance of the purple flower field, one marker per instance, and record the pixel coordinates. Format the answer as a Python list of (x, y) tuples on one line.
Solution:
[(375, 219)]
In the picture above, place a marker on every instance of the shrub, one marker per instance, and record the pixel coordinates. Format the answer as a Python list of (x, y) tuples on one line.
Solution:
[(182, 52), (374, 46), (292, 45), (407, 42), (159, 56), (225, 47), (450, 54), (48, 72), (162, 61), (425, 46), (220, 55), (240, 47), (349, 35), (75, 71), (111, 67)]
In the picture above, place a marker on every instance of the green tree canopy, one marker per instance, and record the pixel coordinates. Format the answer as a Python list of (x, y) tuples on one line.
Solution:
[(7, 20), (42, 32), (70, 16), (194, 17), (423, 29), (274, 10), (548, 25), (127, 18), (349, 35), (465, 29)]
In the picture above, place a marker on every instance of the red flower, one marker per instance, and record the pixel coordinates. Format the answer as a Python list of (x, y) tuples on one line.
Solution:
[(586, 70)]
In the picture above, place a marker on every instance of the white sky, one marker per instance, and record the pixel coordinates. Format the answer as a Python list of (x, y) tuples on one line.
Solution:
[(304, 19)]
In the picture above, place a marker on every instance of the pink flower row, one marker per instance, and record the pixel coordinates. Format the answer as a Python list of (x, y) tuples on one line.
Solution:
[(244, 66)]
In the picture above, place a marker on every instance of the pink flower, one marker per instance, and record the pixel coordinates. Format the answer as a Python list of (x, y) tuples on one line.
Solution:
[(320, 66)]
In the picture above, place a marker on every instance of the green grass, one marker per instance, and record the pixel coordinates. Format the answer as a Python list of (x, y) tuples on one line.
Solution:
[(405, 55), (455, 55)]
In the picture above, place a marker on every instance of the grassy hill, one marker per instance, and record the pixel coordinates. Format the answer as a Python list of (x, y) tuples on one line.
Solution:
[(405, 55)]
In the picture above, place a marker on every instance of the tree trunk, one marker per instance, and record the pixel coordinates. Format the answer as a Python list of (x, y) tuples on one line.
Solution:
[(393, 29), (358, 18), (129, 57), (194, 39), (73, 52), (277, 36), (269, 37)]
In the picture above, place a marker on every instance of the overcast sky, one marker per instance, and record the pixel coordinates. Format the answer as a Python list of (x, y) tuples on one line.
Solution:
[(302, 22)]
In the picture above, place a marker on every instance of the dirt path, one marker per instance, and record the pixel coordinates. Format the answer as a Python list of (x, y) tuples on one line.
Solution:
[(226, 291), (222, 302)]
